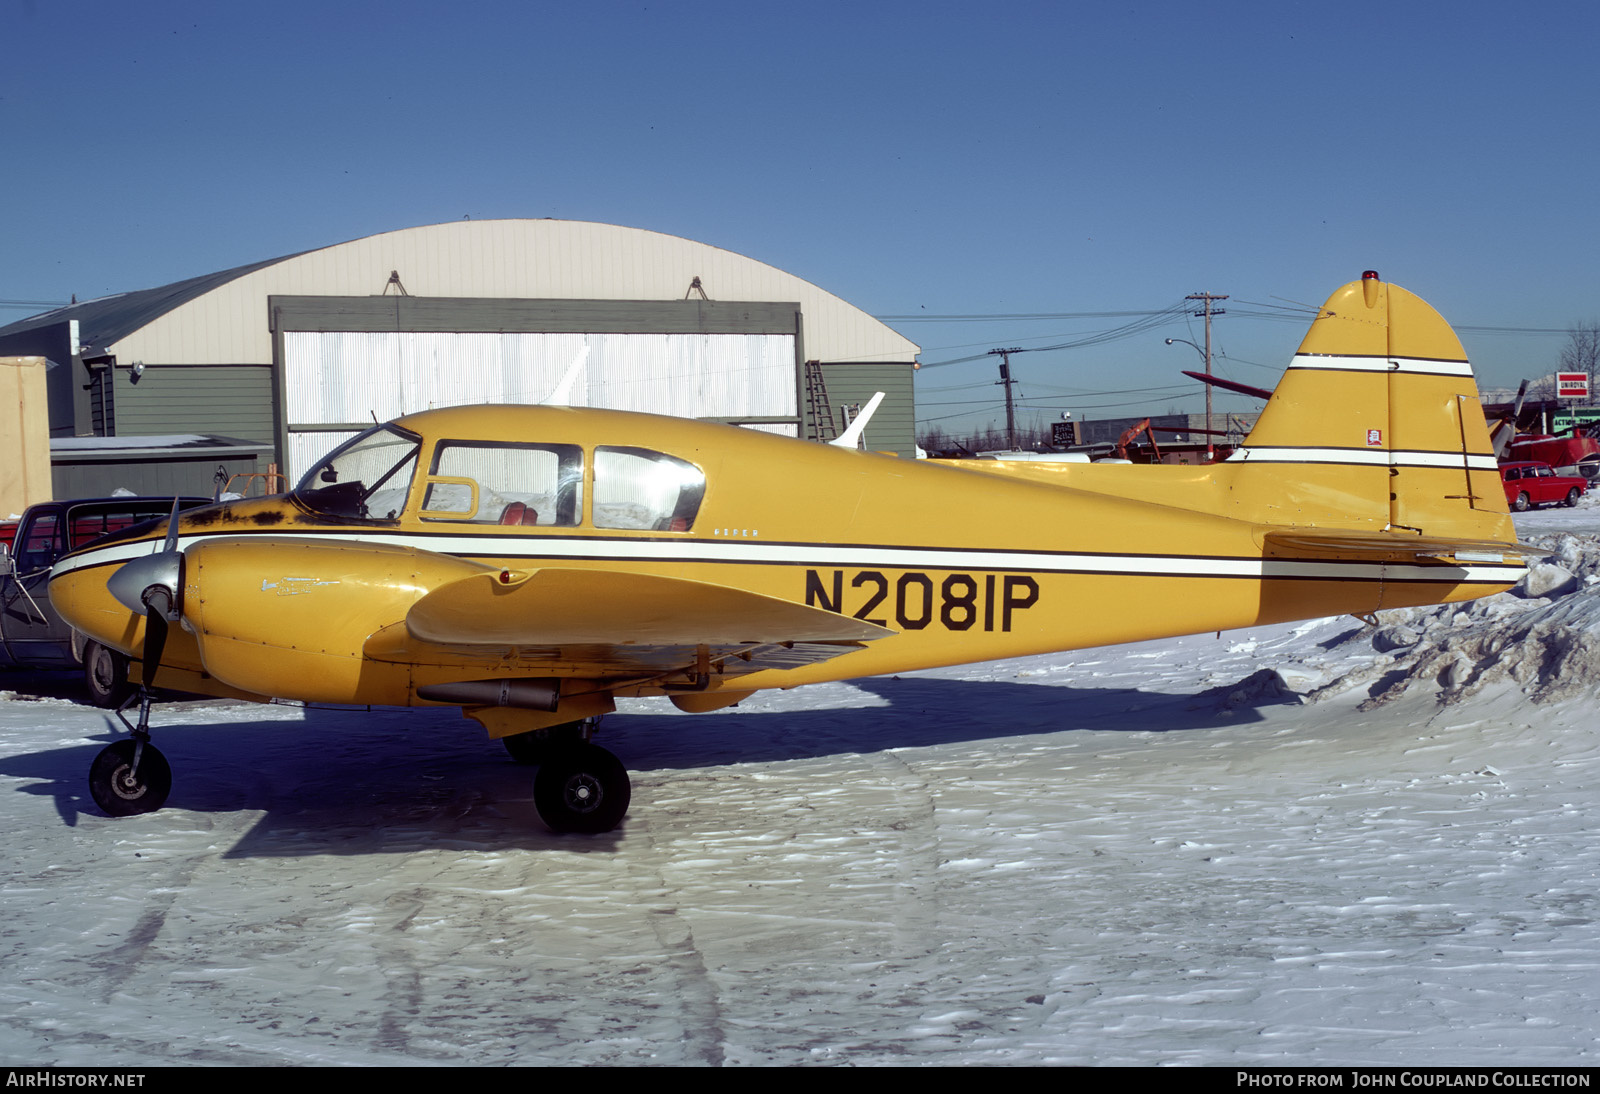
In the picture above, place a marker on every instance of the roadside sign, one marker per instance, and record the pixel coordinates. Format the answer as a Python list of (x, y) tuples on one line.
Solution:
[(1572, 385)]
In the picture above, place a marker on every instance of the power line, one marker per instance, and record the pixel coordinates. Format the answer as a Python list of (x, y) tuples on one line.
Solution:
[(1149, 321), (979, 317)]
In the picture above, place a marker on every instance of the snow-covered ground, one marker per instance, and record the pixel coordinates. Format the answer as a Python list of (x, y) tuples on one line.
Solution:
[(1307, 844)]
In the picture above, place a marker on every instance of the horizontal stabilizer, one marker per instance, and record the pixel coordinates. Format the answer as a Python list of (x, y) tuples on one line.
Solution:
[(1401, 546), (566, 606)]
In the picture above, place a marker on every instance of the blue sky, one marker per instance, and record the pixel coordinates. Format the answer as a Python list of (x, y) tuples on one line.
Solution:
[(1026, 159)]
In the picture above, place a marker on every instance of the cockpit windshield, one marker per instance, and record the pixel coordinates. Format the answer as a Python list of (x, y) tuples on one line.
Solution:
[(368, 477)]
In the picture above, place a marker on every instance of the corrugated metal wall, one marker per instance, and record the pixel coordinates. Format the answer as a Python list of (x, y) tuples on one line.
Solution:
[(333, 377), (348, 377)]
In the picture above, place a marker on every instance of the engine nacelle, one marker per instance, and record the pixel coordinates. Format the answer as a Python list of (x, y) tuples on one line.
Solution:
[(290, 616)]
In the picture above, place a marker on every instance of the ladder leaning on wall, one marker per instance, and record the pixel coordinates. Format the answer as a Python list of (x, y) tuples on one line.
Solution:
[(817, 405)]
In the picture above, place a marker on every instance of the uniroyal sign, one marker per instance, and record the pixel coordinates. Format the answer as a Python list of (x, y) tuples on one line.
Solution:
[(1572, 385)]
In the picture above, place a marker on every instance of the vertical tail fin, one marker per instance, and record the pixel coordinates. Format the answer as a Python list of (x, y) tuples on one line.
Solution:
[(1380, 416)]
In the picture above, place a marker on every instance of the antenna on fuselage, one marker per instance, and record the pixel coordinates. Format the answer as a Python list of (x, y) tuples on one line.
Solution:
[(851, 437), (562, 395)]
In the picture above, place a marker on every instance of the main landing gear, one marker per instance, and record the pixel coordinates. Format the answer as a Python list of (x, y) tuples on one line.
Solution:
[(105, 676), (580, 786), (132, 776)]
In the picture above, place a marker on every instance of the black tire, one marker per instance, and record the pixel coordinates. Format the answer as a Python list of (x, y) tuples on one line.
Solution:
[(105, 675), (581, 788), (534, 747), (1521, 504), (111, 788), (1572, 498)]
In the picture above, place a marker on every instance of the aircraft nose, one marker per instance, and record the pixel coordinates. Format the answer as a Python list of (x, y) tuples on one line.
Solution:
[(155, 579), (79, 597)]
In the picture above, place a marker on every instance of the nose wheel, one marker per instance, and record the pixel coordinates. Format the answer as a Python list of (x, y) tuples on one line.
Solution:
[(130, 777), (581, 788)]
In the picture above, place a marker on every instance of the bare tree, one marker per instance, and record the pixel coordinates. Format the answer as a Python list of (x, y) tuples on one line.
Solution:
[(1033, 436), (1582, 351)]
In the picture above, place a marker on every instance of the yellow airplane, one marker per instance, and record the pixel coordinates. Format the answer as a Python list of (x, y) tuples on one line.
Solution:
[(529, 564)]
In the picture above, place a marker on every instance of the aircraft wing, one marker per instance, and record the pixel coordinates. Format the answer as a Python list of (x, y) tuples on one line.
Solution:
[(570, 621)]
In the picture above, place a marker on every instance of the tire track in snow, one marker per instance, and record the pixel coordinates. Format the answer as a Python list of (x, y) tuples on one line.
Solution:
[(915, 906), (703, 1033)]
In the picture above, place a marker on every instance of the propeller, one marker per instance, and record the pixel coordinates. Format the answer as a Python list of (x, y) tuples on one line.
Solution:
[(150, 586)]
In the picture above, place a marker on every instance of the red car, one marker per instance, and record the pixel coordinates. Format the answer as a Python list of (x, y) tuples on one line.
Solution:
[(1528, 484)]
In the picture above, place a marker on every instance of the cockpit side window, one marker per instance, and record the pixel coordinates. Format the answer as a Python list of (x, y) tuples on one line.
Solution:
[(643, 488), (367, 477), (485, 482)]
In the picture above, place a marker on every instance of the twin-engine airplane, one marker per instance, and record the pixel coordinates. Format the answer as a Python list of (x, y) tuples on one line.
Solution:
[(531, 564)]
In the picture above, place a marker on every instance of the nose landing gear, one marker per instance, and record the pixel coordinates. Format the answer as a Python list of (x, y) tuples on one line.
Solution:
[(132, 776)]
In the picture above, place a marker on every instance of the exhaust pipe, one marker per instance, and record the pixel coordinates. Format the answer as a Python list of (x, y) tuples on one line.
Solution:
[(536, 694)]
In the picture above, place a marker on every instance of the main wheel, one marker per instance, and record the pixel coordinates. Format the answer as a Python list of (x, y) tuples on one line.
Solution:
[(1521, 504), (121, 791), (535, 746), (1572, 498), (581, 788), (105, 675)]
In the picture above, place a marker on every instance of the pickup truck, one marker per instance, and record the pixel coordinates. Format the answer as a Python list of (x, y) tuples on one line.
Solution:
[(32, 635)]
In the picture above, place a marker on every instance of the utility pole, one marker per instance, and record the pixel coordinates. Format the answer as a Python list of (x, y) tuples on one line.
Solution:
[(1007, 381), (1208, 313)]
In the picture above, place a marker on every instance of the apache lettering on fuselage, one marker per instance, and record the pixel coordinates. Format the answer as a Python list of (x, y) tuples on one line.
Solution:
[(530, 565)]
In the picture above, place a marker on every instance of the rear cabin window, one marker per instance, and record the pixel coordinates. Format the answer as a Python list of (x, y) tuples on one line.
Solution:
[(484, 482), (644, 489)]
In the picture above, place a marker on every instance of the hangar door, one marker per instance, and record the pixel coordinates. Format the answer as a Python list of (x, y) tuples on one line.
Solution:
[(336, 378)]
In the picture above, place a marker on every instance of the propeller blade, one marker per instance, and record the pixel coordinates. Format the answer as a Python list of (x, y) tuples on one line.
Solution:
[(171, 542), (150, 586), (155, 635)]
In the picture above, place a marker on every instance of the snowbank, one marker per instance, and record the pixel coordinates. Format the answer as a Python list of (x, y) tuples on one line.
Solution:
[(1543, 637)]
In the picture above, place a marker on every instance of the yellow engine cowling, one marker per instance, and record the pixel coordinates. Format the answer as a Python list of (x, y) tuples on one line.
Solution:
[(289, 616)]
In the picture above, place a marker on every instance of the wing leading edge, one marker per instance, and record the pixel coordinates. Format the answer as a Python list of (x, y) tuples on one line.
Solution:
[(582, 622)]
